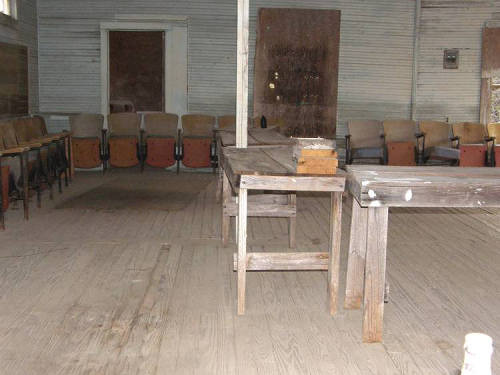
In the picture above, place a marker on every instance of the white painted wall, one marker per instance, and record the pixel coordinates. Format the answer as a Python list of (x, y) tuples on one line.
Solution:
[(25, 33), (453, 94), (375, 53)]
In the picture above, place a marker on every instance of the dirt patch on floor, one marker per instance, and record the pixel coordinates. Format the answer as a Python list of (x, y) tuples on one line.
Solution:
[(167, 192)]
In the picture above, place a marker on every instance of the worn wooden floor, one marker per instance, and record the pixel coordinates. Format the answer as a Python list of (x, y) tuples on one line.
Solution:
[(151, 292)]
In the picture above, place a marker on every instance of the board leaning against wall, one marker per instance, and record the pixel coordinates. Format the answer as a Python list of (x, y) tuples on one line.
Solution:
[(296, 69), (13, 80)]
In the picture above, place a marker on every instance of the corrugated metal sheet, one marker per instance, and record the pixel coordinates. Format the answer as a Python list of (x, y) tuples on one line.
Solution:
[(25, 33), (375, 53), (452, 94)]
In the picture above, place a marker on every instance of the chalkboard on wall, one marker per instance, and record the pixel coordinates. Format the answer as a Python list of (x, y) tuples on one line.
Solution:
[(13, 80)]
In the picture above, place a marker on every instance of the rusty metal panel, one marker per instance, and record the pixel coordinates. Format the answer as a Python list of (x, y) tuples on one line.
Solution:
[(296, 69)]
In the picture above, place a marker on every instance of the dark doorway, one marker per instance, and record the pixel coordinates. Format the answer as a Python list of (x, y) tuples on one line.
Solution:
[(136, 71)]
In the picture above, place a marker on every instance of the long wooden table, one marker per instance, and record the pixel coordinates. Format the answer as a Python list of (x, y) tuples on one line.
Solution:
[(272, 168), (374, 190)]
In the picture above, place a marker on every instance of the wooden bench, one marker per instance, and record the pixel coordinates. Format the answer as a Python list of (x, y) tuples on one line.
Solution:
[(272, 169), (374, 190)]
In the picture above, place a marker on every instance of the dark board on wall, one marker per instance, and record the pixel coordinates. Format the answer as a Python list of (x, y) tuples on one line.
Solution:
[(491, 52), (136, 68), (296, 69), (13, 80)]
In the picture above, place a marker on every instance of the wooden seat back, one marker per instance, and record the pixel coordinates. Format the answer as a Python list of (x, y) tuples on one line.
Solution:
[(399, 130), (39, 123), (365, 133), (21, 128), (227, 121), (124, 124), (198, 126), (161, 124), (8, 134), (86, 125), (437, 133), (469, 132)]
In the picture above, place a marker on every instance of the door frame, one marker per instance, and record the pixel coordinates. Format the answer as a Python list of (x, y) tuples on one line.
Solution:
[(175, 59)]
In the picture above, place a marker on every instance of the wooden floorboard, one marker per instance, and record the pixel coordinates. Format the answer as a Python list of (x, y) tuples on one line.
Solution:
[(153, 292)]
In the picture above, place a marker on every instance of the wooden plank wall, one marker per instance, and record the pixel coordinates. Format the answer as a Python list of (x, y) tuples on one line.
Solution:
[(375, 53), (453, 94), (25, 32), (375, 67)]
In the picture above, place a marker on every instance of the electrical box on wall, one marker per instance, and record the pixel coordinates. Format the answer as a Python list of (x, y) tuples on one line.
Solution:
[(450, 58)]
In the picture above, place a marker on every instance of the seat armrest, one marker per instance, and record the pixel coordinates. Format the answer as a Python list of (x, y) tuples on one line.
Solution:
[(13, 151), (455, 139), (30, 145)]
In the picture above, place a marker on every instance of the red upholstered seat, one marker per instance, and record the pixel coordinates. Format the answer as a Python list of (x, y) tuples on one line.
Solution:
[(160, 152), (473, 155), (86, 153), (401, 153), (497, 156), (197, 152), (123, 152)]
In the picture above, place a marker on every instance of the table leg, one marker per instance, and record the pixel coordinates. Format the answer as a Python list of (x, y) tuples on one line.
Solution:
[(23, 159), (242, 248), (220, 182), (356, 259), (226, 197), (334, 249), (292, 222), (2, 219), (376, 245)]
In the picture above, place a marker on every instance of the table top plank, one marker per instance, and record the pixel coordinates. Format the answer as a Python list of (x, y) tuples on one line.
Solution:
[(272, 168), (256, 136), (377, 186)]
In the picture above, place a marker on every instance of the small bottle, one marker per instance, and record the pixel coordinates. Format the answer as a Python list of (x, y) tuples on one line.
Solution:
[(478, 349), (263, 122)]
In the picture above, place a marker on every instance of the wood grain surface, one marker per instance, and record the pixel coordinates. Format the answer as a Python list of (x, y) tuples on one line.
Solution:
[(296, 69)]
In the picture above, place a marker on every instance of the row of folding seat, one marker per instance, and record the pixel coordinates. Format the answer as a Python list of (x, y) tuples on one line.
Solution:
[(31, 159), (159, 143), (404, 142)]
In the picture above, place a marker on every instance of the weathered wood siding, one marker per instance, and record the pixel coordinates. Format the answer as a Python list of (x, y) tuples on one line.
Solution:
[(25, 32), (375, 53), (453, 93)]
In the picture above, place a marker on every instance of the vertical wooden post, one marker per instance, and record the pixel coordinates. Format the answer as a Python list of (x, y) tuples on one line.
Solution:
[(356, 260), (376, 246), (242, 248), (416, 52), (334, 249), (242, 75), (485, 104)]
